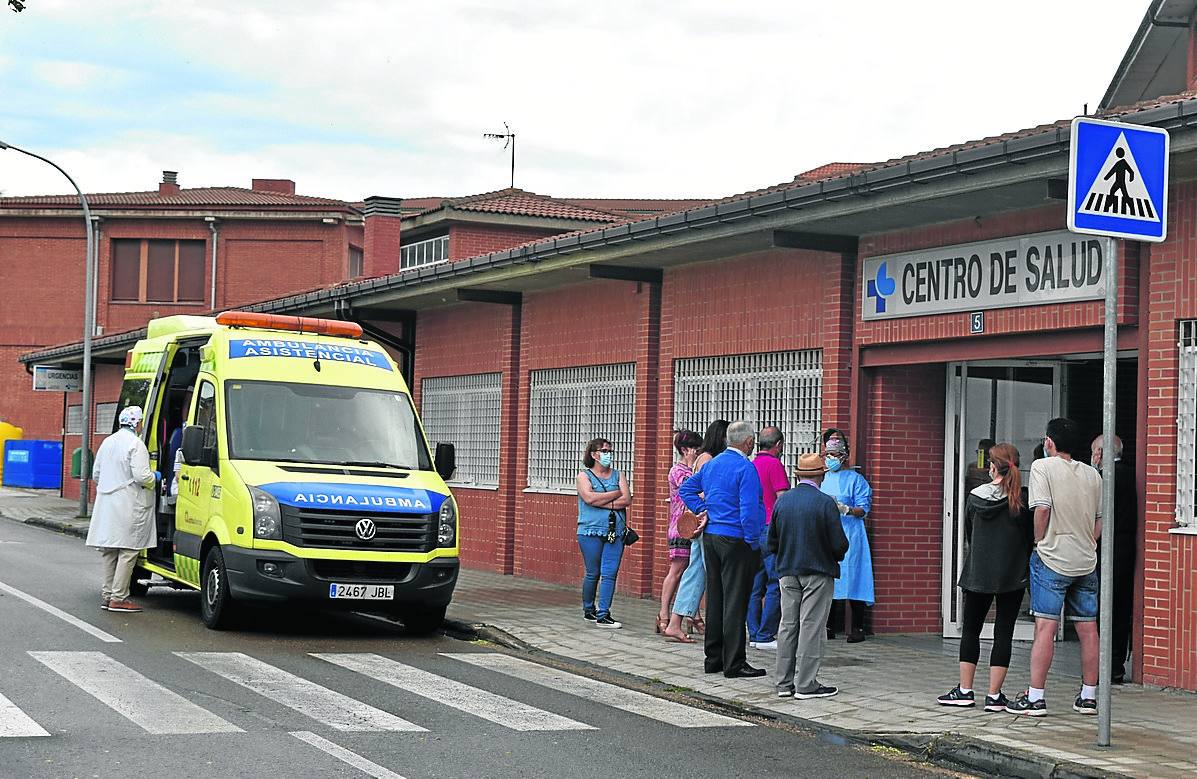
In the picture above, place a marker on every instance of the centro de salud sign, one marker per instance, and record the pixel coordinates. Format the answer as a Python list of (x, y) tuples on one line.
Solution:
[(1028, 270)]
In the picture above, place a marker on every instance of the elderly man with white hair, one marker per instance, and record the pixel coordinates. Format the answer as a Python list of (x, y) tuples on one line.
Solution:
[(122, 523), (1126, 536), (729, 491)]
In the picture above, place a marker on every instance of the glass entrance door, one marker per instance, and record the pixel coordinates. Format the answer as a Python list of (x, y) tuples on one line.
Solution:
[(1009, 401)]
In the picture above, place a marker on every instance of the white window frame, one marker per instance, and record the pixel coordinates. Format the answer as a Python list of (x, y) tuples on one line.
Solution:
[(73, 424), (567, 407), (426, 252), (105, 417), (466, 411), (766, 388), (1186, 428)]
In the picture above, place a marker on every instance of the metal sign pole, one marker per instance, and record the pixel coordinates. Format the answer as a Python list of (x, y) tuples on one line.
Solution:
[(1109, 388)]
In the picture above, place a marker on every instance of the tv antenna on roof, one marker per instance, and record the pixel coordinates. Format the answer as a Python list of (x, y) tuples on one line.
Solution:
[(509, 140)]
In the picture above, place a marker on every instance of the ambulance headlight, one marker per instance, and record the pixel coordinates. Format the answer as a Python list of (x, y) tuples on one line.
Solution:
[(267, 521), (446, 534)]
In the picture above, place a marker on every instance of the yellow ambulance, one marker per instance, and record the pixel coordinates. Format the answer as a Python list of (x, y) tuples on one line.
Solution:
[(294, 469)]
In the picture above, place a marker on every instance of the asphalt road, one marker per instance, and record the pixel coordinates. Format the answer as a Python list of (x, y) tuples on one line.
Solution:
[(87, 693)]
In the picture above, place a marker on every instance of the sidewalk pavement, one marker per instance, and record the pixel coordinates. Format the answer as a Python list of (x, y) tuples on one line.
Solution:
[(888, 684)]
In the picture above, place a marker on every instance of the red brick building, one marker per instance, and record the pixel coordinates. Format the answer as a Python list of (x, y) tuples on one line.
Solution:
[(773, 306)]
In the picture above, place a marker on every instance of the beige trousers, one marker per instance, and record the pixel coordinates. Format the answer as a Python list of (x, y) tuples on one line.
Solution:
[(118, 569)]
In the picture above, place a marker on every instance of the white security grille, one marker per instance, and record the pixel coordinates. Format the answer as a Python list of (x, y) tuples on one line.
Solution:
[(774, 388), (465, 411), (570, 406), (105, 417), (74, 420), (424, 253), (1186, 427)]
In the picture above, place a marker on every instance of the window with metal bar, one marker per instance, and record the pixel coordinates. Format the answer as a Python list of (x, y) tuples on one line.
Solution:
[(105, 417), (465, 411), (424, 252), (1186, 427), (773, 388), (570, 406), (74, 420)]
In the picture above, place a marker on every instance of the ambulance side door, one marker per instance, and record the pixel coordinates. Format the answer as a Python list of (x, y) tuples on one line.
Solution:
[(197, 480)]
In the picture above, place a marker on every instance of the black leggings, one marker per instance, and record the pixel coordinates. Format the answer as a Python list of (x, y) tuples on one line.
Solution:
[(976, 606)]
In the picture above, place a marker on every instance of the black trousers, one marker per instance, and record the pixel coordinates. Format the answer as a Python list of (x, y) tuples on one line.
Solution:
[(976, 606), (731, 563), (1124, 603)]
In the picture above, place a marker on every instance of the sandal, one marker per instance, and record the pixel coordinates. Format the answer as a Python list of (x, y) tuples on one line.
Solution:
[(661, 625), (679, 639), (697, 625)]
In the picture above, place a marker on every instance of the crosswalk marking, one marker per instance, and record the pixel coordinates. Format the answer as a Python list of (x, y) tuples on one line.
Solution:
[(338, 711), (57, 612), (495, 708), (133, 696), (15, 723), (632, 701), (346, 756)]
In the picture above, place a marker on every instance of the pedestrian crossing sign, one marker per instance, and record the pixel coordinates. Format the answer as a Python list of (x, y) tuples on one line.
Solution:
[(1118, 180)]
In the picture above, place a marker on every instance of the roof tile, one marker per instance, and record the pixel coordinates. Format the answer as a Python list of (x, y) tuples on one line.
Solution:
[(202, 196)]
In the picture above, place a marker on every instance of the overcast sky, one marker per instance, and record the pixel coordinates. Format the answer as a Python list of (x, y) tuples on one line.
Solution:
[(689, 98)]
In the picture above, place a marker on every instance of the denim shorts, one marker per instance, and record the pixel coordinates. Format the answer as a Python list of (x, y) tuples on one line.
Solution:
[(1050, 592)]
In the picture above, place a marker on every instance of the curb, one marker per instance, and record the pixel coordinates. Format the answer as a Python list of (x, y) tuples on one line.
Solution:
[(950, 750), (65, 527)]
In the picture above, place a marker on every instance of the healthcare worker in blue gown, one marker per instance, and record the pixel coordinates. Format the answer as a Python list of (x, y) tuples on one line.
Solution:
[(855, 498)]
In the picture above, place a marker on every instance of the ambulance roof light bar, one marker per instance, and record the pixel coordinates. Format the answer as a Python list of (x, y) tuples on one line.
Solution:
[(297, 324)]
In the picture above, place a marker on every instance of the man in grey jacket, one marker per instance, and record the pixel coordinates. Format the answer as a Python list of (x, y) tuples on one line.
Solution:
[(808, 540)]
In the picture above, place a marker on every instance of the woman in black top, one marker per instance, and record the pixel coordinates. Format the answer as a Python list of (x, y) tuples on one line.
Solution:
[(997, 529)]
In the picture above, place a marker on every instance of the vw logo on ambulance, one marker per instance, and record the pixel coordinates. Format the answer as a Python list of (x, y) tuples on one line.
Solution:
[(365, 529)]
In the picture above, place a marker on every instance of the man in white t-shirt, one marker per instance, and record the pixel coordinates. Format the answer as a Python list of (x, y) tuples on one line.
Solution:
[(1066, 497)]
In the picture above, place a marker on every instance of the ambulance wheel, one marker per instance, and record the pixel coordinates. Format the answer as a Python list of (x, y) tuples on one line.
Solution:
[(216, 604), (421, 622), (137, 585)]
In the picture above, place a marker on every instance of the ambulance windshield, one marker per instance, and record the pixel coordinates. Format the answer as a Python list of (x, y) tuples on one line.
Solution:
[(316, 423)]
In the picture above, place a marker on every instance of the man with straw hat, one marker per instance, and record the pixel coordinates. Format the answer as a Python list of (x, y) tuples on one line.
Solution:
[(808, 540)]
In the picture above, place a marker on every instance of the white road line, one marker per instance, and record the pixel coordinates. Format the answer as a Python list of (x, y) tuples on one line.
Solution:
[(613, 695), (57, 612), (345, 756), (502, 711), (145, 702), (308, 698), (15, 723)]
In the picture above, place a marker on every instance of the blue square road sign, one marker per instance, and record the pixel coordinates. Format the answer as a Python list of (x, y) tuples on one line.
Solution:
[(1118, 180)]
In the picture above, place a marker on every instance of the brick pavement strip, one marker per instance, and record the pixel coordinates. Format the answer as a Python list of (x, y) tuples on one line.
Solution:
[(888, 683)]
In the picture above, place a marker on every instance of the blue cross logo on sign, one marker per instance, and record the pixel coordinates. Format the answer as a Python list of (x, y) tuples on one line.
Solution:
[(1118, 180)]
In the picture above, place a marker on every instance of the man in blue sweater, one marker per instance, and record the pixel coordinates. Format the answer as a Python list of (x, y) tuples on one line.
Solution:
[(808, 539), (729, 491)]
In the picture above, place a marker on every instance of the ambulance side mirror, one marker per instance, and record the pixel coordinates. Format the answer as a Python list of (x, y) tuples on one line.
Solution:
[(446, 460), (193, 446)]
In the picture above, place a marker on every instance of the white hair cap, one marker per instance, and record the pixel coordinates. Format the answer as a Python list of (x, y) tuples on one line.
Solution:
[(131, 416)]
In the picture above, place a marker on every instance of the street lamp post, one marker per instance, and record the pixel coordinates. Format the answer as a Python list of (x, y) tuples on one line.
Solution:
[(89, 326)]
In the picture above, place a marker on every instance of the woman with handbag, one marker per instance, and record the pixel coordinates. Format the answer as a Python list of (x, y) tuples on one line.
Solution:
[(603, 498), (686, 443), (694, 579)]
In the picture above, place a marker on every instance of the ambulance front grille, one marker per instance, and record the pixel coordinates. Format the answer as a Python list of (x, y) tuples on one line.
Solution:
[(314, 528)]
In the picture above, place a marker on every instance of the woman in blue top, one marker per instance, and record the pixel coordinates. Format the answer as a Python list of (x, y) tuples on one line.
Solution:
[(855, 498), (603, 498)]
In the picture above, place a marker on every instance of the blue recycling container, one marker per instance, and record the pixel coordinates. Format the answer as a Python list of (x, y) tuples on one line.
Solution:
[(36, 464)]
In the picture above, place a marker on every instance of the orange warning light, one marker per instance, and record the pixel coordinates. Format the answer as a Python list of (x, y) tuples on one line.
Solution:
[(297, 324)]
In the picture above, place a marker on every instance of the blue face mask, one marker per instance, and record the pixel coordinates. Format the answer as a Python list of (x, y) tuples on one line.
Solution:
[(833, 463), (605, 459)]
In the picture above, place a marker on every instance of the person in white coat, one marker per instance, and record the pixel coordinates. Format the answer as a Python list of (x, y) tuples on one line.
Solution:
[(122, 523)]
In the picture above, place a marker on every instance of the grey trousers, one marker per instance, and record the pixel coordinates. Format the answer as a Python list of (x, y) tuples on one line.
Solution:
[(805, 602), (118, 570)]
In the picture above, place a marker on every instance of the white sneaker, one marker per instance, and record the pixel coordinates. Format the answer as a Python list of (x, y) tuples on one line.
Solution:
[(771, 645)]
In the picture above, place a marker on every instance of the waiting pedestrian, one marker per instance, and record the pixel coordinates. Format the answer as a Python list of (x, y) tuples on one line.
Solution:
[(1066, 497), (997, 534), (764, 608), (808, 541), (603, 498), (729, 491), (1126, 537), (687, 444), (122, 522), (977, 472), (854, 497), (687, 602)]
